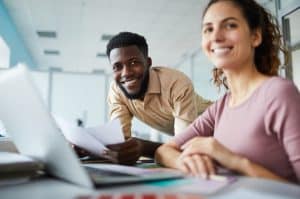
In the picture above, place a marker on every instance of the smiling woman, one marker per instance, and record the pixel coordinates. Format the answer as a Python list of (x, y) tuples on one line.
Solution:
[(242, 41)]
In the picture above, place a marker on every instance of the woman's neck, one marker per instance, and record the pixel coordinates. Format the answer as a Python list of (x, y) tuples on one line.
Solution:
[(243, 83)]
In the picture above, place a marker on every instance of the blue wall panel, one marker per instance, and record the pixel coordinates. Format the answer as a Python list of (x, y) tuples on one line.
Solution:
[(8, 31)]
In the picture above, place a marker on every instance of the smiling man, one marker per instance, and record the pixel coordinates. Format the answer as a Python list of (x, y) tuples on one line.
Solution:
[(161, 97)]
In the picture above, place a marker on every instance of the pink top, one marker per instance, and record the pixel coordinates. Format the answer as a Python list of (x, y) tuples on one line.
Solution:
[(265, 128)]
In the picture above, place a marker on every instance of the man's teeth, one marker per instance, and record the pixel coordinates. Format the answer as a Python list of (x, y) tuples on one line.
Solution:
[(129, 81), (132, 80)]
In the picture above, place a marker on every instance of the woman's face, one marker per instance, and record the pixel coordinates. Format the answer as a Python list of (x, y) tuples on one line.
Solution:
[(226, 37)]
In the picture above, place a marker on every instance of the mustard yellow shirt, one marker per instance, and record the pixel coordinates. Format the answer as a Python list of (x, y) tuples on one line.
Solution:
[(170, 103)]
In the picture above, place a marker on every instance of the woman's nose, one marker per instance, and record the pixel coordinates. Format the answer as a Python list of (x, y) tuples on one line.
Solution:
[(218, 35)]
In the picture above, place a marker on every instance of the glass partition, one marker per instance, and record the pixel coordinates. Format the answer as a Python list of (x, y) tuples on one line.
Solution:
[(291, 34)]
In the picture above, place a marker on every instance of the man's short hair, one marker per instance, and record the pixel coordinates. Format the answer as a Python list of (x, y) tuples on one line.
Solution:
[(124, 39)]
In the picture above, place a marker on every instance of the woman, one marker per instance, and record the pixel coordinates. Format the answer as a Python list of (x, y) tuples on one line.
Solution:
[(254, 129)]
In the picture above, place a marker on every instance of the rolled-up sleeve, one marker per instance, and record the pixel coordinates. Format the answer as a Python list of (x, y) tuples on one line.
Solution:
[(186, 106), (118, 109)]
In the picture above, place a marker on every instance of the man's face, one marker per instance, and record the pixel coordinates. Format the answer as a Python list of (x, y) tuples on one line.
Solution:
[(131, 70)]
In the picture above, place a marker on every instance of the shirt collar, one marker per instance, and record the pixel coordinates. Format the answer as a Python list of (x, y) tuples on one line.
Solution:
[(154, 86)]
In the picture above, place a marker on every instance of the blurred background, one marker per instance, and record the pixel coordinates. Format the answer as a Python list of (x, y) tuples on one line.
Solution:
[(63, 42)]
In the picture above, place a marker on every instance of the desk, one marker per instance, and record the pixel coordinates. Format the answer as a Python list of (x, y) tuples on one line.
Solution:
[(243, 188)]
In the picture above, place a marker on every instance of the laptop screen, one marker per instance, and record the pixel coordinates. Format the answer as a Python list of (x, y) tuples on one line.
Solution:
[(33, 129)]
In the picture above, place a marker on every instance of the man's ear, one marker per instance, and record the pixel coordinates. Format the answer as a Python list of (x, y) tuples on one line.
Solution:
[(149, 62), (256, 37)]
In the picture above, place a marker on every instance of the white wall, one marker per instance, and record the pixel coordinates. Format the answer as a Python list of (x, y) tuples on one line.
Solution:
[(198, 68), (81, 96), (41, 80)]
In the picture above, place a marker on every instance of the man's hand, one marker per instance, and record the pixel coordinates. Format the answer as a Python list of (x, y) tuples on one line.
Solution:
[(127, 152), (79, 151)]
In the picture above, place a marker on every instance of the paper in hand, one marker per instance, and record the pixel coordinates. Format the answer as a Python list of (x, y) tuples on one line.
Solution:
[(109, 133), (92, 139)]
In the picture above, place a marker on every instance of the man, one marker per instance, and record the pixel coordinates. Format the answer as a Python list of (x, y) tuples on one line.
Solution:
[(161, 97)]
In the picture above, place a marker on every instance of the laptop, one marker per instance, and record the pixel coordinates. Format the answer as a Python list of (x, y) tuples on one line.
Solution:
[(35, 133)]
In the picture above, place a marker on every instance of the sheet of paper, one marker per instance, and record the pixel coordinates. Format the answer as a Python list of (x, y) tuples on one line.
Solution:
[(109, 133), (134, 170), (195, 185), (80, 137)]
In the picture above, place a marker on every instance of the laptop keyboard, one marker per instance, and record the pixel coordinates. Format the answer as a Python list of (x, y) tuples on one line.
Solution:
[(105, 173)]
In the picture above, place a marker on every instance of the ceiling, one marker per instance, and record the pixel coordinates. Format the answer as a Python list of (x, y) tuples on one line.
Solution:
[(171, 27)]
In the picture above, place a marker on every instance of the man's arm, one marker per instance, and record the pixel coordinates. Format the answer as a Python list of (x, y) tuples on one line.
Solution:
[(119, 109), (187, 105), (131, 150), (148, 147)]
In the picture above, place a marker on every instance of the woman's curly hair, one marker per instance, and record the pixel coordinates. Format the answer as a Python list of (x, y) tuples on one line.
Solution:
[(266, 56)]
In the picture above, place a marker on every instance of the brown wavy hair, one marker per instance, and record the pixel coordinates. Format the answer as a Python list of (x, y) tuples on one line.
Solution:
[(266, 57)]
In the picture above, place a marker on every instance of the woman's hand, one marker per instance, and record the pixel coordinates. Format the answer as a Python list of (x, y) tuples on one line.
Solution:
[(210, 147), (196, 165)]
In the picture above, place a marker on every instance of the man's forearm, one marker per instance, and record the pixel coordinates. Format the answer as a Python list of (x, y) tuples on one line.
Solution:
[(149, 148)]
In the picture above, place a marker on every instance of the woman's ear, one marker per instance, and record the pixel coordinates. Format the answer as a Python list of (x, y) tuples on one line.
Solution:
[(256, 37)]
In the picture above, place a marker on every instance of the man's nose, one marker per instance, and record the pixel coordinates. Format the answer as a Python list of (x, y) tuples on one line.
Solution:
[(126, 70)]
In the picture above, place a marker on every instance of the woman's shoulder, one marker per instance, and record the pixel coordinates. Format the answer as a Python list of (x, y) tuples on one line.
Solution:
[(220, 103), (279, 86), (279, 91)]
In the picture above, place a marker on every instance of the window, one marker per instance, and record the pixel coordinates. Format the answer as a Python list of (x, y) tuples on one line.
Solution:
[(291, 34)]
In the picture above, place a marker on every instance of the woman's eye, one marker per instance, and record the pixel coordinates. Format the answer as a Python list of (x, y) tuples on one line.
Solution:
[(231, 25), (207, 30)]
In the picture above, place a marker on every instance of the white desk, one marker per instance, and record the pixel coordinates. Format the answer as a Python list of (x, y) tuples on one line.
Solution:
[(243, 188)]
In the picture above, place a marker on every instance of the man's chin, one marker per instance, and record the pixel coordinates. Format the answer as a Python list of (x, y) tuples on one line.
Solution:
[(131, 94), (140, 93)]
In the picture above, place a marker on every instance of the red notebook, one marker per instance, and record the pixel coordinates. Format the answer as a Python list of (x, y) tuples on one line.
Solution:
[(142, 196)]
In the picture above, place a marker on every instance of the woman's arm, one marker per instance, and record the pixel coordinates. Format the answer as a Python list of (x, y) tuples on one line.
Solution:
[(215, 150), (248, 168), (167, 154)]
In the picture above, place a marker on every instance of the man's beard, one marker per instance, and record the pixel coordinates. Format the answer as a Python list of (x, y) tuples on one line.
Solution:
[(140, 94)]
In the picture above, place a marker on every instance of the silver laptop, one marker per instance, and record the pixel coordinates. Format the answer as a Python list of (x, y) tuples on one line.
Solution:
[(36, 134)]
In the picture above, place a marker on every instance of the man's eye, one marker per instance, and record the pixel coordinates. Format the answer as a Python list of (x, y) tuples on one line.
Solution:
[(117, 67), (133, 62)]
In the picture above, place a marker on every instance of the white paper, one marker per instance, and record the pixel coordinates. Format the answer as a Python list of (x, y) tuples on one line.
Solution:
[(110, 133), (92, 139)]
